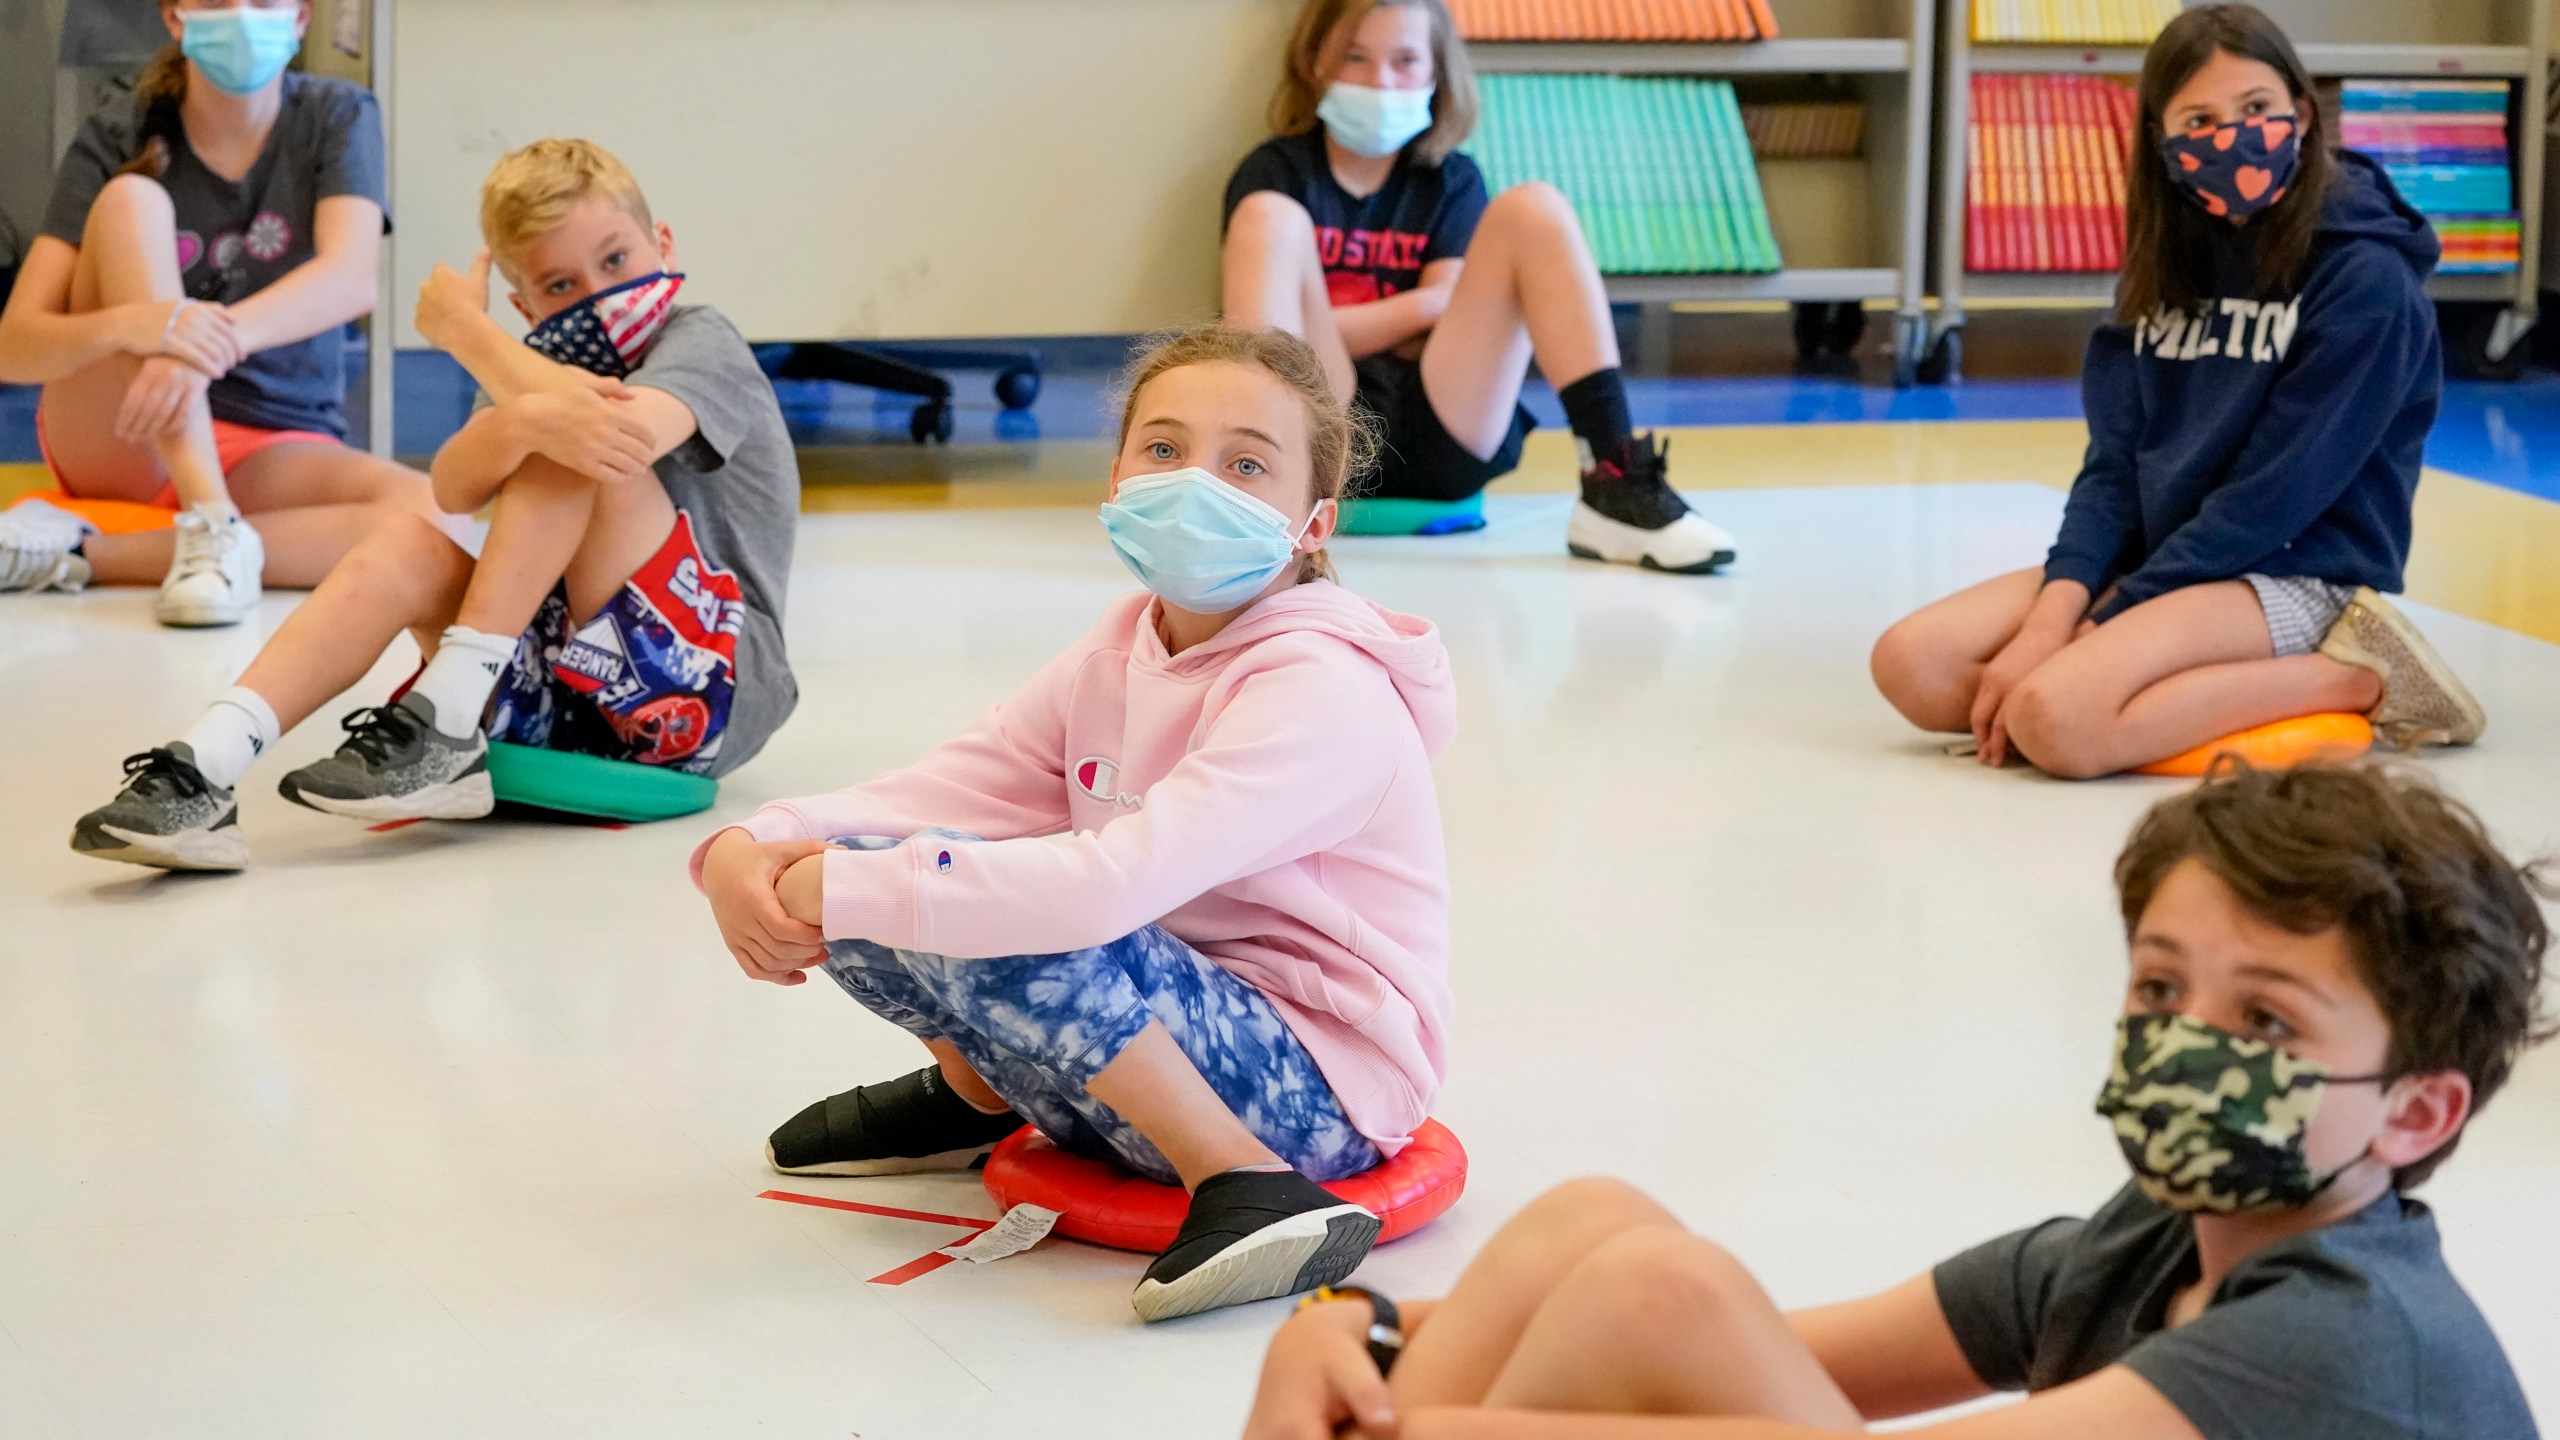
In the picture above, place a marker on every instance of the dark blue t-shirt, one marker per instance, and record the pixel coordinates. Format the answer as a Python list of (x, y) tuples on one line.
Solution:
[(236, 238), (1372, 247)]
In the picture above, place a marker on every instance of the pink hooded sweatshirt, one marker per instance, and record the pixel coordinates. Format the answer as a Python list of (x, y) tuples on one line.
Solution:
[(1266, 796)]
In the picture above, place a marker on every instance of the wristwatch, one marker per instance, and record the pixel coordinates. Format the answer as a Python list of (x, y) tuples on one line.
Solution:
[(1386, 1327)]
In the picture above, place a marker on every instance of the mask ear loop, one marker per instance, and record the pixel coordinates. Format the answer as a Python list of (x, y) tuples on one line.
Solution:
[(1297, 539)]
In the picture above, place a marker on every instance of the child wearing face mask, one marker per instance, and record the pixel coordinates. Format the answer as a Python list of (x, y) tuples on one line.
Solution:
[(183, 307), (1181, 901), (2332, 970), (628, 601), (1360, 228), (2258, 410)]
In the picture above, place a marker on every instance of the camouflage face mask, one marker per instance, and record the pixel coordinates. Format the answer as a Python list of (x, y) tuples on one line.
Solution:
[(2212, 1121)]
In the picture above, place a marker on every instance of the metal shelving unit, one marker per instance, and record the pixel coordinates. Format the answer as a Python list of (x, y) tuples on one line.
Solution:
[(1884, 48), (2379, 39)]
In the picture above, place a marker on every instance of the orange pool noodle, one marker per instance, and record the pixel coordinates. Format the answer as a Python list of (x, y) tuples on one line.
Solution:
[(2298, 741)]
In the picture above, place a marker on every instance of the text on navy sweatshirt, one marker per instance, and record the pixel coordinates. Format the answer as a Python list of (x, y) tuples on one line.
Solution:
[(2279, 436)]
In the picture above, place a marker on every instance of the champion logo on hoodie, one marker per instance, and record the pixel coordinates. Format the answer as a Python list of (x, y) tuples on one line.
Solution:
[(2248, 330), (1097, 777)]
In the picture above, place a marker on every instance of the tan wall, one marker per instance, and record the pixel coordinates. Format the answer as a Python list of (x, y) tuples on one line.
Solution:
[(842, 168)]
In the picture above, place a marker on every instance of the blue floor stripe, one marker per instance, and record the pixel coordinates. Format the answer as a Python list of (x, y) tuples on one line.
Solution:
[(2505, 434)]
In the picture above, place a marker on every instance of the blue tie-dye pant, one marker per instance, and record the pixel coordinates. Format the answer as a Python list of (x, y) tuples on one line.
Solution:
[(1038, 1028)]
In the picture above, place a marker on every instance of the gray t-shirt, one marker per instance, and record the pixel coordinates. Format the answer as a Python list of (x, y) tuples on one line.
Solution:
[(2353, 1332), (237, 238), (739, 479)]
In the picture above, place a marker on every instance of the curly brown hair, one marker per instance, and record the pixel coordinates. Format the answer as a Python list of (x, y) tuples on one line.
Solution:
[(2442, 927)]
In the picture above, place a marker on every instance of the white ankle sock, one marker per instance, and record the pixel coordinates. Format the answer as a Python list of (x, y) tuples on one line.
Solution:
[(465, 669), (231, 735)]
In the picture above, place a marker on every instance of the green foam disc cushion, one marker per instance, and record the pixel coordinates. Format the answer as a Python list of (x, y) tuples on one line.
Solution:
[(591, 785), (1394, 515)]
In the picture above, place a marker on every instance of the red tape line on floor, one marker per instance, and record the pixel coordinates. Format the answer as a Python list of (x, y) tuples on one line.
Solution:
[(922, 1264), (387, 826)]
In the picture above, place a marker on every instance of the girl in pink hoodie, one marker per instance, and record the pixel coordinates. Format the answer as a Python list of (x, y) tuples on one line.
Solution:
[(1181, 901)]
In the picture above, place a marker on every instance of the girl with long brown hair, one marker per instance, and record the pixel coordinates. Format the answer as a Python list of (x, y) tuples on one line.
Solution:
[(2258, 408), (1360, 228), (206, 244)]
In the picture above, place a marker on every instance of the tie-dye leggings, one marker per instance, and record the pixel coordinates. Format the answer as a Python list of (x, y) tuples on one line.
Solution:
[(1038, 1028)]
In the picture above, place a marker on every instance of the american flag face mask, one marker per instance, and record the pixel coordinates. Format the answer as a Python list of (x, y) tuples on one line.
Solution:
[(609, 331)]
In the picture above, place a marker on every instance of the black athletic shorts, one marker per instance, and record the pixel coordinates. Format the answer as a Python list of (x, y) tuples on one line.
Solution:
[(1418, 459)]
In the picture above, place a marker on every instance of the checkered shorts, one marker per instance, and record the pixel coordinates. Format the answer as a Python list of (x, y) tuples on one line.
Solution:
[(2299, 610)]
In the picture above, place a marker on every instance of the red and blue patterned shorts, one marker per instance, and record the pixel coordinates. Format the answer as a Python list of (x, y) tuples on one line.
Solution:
[(649, 679)]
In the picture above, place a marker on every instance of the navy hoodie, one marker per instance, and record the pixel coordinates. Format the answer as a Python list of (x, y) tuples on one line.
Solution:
[(2278, 437)]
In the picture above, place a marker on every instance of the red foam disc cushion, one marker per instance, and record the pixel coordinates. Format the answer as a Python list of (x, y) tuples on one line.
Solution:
[(1101, 1204)]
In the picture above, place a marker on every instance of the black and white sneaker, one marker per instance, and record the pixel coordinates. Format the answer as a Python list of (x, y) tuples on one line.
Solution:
[(168, 816), (1632, 516), (898, 1127), (396, 765), (1255, 1235)]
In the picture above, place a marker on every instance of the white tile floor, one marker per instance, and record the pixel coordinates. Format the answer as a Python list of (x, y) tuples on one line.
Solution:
[(456, 1130)]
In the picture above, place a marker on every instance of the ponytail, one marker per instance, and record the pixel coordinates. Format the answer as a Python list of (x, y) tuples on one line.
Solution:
[(156, 97)]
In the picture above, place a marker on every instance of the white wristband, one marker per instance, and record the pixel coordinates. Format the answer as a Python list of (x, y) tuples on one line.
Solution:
[(172, 327)]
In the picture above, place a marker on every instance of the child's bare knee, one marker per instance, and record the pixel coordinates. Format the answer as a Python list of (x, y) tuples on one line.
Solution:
[(1533, 202), (1595, 1205), (1269, 217), (1913, 676), (2053, 727), (1664, 1277), (132, 199), (403, 548)]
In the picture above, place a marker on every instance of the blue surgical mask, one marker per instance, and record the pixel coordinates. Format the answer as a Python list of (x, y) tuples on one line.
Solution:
[(242, 48), (1371, 122), (1201, 543)]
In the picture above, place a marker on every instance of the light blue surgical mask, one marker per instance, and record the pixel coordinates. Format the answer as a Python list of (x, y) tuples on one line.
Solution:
[(242, 48), (1199, 542), (1373, 122)]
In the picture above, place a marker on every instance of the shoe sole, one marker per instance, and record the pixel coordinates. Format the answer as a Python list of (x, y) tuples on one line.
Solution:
[(893, 1165), (2380, 637), (222, 849), (203, 617), (469, 798), (1296, 1255), (1708, 566)]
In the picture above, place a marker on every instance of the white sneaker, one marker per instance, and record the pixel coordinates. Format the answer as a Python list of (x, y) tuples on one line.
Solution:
[(36, 541), (1690, 545), (213, 580)]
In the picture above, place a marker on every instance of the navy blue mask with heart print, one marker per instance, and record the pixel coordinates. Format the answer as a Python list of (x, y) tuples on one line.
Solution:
[(2236, 170)]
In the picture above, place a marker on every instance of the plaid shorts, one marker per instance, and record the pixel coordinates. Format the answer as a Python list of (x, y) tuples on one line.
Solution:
[(2299, 610), (649, 679)]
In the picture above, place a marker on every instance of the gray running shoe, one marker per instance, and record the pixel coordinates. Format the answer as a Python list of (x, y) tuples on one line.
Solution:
[(396, 765), (168, 816)]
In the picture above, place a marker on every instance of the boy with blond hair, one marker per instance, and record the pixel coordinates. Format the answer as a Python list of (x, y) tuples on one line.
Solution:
[(628, 600)]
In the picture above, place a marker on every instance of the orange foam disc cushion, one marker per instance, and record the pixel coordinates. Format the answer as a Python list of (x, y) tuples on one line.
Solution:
[(112, 517), (1101, 1204), (2298, 741)]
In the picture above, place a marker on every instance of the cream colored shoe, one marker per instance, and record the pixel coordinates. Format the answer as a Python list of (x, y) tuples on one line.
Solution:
[(2423, 701)]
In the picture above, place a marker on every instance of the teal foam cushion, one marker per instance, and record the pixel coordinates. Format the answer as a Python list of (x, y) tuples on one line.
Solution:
[(1394, 515), (590, 785)]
